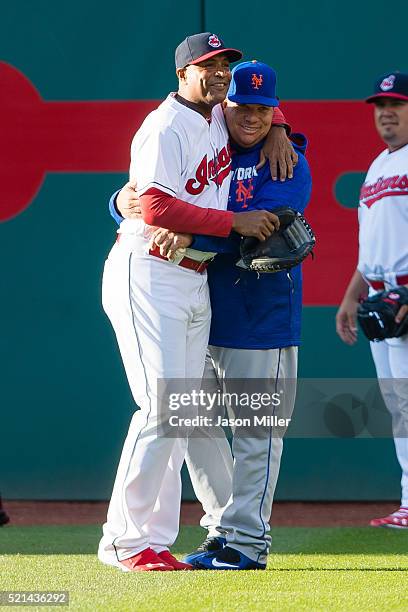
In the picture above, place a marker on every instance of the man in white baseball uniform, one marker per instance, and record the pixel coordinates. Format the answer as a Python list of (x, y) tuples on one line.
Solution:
[(255, 333), (160, 310), (383, 262)]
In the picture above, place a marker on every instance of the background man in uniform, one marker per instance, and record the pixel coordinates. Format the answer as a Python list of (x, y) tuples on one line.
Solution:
[(255, 332), (383, 262), (159, 309), (4, 519)]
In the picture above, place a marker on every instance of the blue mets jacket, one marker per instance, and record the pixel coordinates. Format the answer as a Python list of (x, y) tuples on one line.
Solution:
[(251, 311)]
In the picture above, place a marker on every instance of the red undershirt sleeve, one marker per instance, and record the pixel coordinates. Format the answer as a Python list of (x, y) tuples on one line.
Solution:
[(162, 210), (280, 119)]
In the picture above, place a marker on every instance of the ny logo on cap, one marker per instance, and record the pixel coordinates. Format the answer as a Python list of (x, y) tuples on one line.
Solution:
[(214, 41), (387, 83), (257, 81)]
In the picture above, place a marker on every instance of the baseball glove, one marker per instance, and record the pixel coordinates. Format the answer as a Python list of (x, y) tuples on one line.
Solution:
[(286, 248), (376, 314)]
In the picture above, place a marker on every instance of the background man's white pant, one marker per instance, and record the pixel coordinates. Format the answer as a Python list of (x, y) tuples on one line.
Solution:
[(391, 362)]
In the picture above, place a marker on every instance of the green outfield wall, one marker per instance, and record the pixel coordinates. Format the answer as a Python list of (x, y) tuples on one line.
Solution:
[(76, 80)]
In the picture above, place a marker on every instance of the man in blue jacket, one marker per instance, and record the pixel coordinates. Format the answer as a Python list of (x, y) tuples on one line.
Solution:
[(255, 333)]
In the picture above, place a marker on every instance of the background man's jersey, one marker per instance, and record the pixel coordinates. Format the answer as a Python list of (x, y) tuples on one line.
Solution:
[(383, 217)]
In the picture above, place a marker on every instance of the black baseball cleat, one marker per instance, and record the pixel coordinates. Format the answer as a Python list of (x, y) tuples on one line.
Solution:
[(227, 559), (210, 545)]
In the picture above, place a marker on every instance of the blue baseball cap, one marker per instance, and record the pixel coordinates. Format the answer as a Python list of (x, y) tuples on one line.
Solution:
[(391, 85), (253, 83)]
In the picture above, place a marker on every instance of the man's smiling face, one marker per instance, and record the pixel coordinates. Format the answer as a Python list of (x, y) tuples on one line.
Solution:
[(248, 124), (209, 80), (391, 120)]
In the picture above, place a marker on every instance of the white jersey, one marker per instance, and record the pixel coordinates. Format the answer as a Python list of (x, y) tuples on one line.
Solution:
[(383, 217), (161, 315), (179, 152)]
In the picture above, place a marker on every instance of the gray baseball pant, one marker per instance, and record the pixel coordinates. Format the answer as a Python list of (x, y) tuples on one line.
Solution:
[(236, 489)]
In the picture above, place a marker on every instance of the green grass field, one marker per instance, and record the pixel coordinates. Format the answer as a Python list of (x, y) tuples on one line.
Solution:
[(310, 569)]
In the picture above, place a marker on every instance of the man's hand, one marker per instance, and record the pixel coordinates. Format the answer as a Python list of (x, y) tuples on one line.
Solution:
[(346, 317), (169, 242), (257, 223), (346, 321), (402, 313), (278, 149), (128, 203)]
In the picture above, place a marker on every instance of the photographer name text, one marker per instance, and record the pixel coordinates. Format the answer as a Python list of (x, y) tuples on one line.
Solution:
[(206, 421)]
